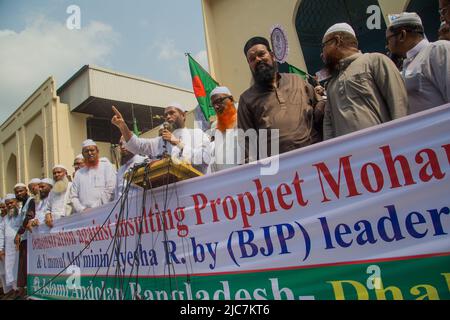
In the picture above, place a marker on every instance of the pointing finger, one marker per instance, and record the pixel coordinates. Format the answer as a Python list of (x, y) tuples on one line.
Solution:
[(118, 114)]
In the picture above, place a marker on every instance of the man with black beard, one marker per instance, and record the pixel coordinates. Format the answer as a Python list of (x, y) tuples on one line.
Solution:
[(276, 101), (58, 204), (127, 161), (27, 212), (3, 212)]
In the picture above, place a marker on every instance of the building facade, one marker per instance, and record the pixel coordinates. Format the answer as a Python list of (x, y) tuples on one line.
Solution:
[(49, 127)]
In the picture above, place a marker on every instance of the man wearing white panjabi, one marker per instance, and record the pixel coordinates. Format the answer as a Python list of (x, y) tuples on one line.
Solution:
[(179, 142), (33, 187), (225, 147), (8, 252), (45, 187), (58, 204), (426, 64), (3, 213), (94, 184)]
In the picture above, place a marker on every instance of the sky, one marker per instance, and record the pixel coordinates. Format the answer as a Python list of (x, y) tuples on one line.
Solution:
[(146, 38)]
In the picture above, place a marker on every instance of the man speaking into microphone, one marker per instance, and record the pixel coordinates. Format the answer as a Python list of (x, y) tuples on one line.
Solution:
[(180, 143)]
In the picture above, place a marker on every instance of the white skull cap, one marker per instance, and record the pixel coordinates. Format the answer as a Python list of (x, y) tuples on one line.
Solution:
[(88, 143), (340, 27)]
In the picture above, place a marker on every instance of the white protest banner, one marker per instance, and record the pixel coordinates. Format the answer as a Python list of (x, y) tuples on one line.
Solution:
[(362, 216)]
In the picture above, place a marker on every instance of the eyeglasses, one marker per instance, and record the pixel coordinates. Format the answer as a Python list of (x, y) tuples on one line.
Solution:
[(221, 101), (324, 44), (392, 35)]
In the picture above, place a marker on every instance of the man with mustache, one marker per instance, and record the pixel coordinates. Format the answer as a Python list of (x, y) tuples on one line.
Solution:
[(177, 141), (127, 161), (224, 147), (444, 31), (93, 185), (33, 186), (45, 187), (58, 204), (3, 212), (444, 10), (425, 65), (9, 256), (276, 101), (78, 163), (364, 89), (27, 212)]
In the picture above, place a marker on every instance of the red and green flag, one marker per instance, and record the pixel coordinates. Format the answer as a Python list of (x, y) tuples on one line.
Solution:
[(203, 84)]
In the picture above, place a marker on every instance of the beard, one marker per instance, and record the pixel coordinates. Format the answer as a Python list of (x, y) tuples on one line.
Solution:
[(92, 163), (124, 158), (331, 66), (61, 185), (227, 119), (174, 126), (264, 74), (43, 196), (332, 62), (37, 197), (13, 212)]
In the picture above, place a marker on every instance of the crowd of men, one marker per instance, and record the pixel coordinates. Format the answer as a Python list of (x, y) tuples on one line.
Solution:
[(363, 90)]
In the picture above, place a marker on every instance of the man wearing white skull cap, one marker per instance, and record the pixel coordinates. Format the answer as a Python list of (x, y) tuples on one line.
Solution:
[(45, 187), (225, 146), (78, 163), (3, 214), (93, 185), (426, 64), (58, 203), (9, 256), (365, 89), (27, 212), (182, 144)]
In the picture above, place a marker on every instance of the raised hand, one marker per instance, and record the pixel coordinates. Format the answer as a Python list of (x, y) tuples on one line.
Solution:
[(117, 119), (120, 123)]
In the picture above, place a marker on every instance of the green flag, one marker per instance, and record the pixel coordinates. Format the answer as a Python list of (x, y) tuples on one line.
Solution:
[(203, 84), (292, 69), (135, 127)]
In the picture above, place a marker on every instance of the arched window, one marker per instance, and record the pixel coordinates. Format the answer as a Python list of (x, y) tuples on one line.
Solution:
[(36, 158), (11, 173)]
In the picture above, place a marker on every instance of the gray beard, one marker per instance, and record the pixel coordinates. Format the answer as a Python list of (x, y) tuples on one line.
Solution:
[(13, 212), (61, 185), (37, 197)]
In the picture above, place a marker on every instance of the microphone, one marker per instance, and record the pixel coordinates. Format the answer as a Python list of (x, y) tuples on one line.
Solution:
[(166, 126)]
